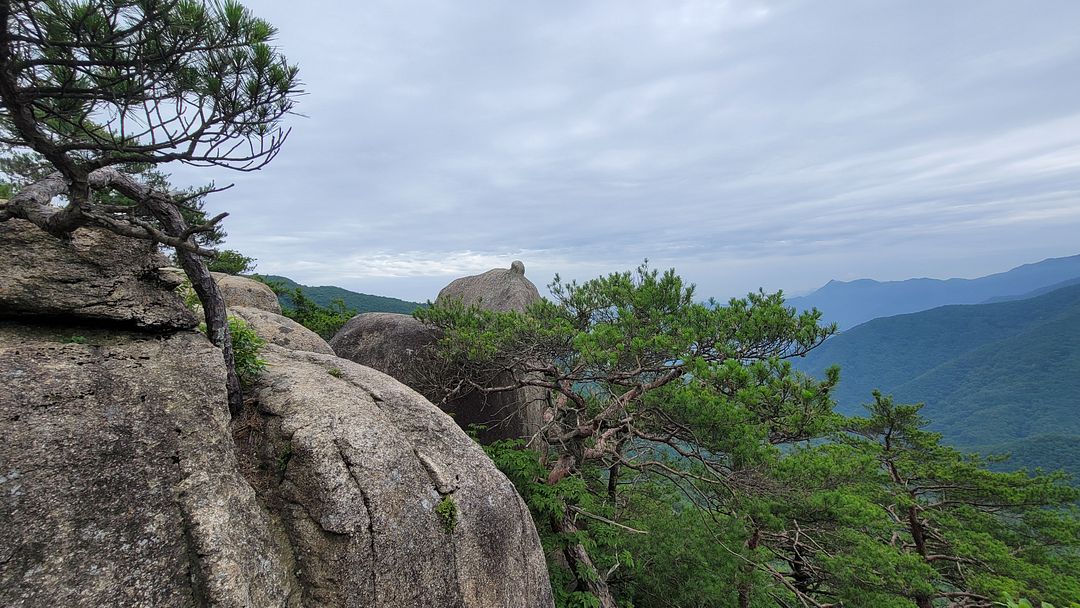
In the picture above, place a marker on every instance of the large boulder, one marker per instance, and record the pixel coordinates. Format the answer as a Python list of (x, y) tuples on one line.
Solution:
[(385, 501), (499, 289), (242, 291), (94, 276), (281, 330), (509, 414), (393, 343), (119, 485), (386, 341)]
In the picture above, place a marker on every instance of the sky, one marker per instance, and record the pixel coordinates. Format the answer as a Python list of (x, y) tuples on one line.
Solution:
[(748, 144)]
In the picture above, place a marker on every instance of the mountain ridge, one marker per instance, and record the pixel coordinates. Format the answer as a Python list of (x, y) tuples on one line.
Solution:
[(991, 375), (850, 303), (323, 295)]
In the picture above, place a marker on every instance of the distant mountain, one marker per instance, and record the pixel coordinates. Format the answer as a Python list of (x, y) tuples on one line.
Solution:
[(850, 303), (1051, 452), (361, 302), (1034, 293), (991, 375)]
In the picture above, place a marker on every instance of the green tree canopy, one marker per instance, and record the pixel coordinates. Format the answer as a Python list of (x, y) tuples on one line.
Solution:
[(683, 463), (640, 376)]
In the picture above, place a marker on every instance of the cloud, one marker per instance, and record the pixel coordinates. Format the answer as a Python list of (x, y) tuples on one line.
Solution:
[(748, 143)]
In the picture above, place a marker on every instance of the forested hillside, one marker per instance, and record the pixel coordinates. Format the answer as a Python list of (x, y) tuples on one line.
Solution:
[(360, 302), (1003, 376), (850, 303)]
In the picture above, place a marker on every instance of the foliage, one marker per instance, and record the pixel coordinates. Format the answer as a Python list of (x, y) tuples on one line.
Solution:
[(231, 262), (687, 464), (643, 379), (121, 61), (323, 320), (985, 534), (188, 295), (1048, 452), (448, 513), (246, 346)]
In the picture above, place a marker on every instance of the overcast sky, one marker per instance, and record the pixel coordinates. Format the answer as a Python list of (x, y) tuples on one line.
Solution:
[(746, 143)]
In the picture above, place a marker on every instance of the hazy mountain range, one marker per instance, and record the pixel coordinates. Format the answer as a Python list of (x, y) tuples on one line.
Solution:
[(849, 303)]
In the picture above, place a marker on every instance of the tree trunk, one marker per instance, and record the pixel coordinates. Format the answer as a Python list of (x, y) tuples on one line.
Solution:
[(217, 325), (613, 483), (746, 586), (579, 558)]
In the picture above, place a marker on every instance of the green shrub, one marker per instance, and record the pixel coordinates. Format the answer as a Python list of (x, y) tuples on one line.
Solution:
[(187, 293), (448, 513), (323, 320), (231, 262), (246, 346)]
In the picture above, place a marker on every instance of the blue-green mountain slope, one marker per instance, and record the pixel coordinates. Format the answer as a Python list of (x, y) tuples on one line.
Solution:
[(991, 375)]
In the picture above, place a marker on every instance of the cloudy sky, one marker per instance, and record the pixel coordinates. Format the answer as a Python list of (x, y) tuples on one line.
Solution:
[(774, 144)]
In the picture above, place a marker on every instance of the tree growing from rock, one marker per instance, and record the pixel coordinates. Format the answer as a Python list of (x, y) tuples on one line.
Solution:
[(97, 88), (643, 382), (688, 465)]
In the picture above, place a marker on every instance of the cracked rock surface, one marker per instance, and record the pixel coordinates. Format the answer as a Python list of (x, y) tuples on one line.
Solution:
[(358, 463), (119, 485), (242, 291), (281, 330), (97, 275)]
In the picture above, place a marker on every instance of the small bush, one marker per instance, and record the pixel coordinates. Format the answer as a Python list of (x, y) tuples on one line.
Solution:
[(246, 346), (323, 320), (334, 371), (187, 293), (231, 262), (448, 513), (76, 340)]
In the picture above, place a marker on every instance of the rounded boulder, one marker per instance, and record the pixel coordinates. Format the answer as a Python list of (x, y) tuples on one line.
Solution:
[(242, 291), (281, 330), (499, 289)]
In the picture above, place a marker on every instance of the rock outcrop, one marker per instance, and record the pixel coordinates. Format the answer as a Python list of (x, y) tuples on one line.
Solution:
[(391, 342), (242, 291), (123, 481), (118, 483), (281, 330), (95, 275), (498, 289)]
